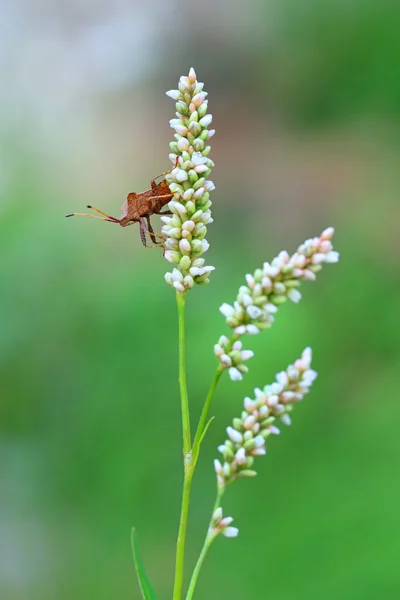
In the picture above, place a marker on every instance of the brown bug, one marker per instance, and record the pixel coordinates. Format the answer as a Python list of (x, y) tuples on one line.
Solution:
[(138, 208)]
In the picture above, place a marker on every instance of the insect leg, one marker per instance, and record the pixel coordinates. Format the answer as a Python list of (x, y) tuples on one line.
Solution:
[(144, 230), (151, 231), (153, 181)]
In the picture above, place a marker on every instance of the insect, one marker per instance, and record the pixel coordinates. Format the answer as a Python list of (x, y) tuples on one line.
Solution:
[(138, 208)]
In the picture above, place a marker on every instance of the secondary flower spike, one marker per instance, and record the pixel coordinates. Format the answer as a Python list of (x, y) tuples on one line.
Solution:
[(247, 435), (267, 289), (187, 227)]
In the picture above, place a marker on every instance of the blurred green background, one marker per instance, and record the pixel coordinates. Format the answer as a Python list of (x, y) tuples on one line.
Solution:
[(306, 104)]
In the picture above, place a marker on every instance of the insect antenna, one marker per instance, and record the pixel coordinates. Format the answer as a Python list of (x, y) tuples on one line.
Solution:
[(106, 217)]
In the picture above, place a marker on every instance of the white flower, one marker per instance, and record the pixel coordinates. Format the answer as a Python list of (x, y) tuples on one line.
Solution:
[(231, 532), (227, 310)]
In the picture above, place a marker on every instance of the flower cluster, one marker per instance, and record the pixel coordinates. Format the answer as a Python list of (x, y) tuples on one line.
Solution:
[(220, 524), (187, 227), (248, 433), (272, 285), (232, 356)]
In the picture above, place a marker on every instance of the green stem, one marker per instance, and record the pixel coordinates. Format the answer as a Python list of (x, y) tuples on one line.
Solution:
[(180, 543), (206, 546), (188, 463), (207, 404), (180, 299)]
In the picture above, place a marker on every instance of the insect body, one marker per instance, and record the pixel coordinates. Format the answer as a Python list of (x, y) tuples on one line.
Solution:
[(138, 208)]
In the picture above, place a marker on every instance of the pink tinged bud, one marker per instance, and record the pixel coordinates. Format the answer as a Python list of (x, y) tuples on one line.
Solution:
[(246, 354), (174, 94), (325, 246), (258, 452), (327, 234), (309, 275), (272, 400), (249, 404), (294, 295), (217, 467), (298, 260), (181, 129), (206, 121), (286, 420), (249, 422), (241, 456), (226, 521), (274, 430), (234, 435), (209, 186), (227, 310), (200, 169), (252, 329), (198, 99), (226, 360), (231, 532), (284, 257), (298, 273), (259, 441), (192, 75), (250, 281), (183, 145), (318, 258), (178, 286), (218, 350), (237, 346), (269, 270)]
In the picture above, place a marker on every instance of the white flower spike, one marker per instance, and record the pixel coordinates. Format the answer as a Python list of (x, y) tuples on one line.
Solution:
[(187, 227), (248, 433)]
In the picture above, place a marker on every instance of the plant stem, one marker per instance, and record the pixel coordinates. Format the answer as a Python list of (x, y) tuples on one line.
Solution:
[(206, 546), (180, 299), (188, 463)]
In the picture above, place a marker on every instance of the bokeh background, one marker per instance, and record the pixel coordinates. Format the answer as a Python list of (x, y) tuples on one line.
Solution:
[(306, 104)]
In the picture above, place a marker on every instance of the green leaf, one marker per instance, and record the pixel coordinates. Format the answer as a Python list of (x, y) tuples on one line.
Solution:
[(144, 583), (206, 429)]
